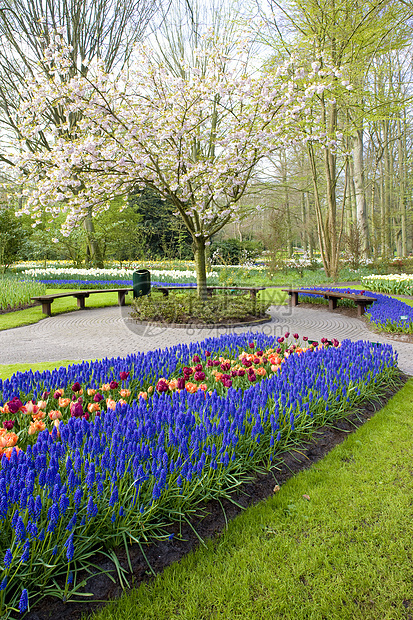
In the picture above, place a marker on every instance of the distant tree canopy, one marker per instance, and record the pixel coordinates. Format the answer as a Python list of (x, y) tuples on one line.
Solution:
[(12, 237), (161, 233)]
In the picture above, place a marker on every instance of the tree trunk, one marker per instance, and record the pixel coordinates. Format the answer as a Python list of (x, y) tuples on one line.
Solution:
[(387, 192), (322, 226), (287, 206), (200, 267), (360, 192), (402, 186), (305, 222), (93, 245)]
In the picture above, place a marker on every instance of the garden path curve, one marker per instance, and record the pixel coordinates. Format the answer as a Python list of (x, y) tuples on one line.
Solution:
[(108, 332)]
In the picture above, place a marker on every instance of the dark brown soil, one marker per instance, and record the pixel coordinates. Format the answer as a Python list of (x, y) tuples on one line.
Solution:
[(212, 522), (17, 308)]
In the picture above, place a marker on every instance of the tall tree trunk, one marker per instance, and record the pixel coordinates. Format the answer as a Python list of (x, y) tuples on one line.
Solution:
[(383, 222), (330, 176), (305, 222), (373, 227), (352, 193), (200, 266), (93, 245), (401, 143), (323, 239), (387, 191), (359, 185), (287, 206)]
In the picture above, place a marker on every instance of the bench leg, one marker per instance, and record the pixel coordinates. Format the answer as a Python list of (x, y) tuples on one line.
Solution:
[(361, 309), (47, 307), (81, 302), (253, 294), (294, 298), (121, 298), (332, 303)]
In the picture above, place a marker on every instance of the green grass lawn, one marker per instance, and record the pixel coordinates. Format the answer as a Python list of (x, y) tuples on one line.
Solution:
[(99, 300), (274, 296), (7, 370), (65, 304), (68, 304), (345, 553)]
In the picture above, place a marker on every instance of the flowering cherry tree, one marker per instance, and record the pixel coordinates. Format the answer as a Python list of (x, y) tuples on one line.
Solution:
[(196, 138)]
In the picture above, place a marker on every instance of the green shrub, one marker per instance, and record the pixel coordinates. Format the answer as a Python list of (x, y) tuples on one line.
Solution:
[(235, 252), (188, 308)]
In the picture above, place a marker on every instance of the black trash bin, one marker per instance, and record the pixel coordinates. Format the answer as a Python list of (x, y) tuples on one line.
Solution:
[(141, 283)]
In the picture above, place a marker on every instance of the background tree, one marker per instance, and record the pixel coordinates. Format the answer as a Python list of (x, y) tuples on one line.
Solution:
[(12, 238), (104, 29), (349, 34), (196, 141), (161, 233)]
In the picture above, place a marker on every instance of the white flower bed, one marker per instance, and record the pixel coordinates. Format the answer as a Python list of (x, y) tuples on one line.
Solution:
[(67, 272), (393, 283)]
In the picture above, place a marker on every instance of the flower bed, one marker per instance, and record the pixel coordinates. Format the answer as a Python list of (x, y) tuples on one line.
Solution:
[(131, 444), (385, 313), (15, 292), (396, 284), (64, 273), (98, 284)]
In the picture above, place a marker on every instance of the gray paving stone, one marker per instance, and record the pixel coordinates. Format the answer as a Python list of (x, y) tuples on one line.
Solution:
[(108, 332)]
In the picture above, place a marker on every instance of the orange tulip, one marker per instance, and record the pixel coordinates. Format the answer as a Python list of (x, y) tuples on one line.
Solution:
[(125, 393), (8, 451), (93, 407), (55, 415), (91, 392), (39, 416), (143, 395), (30, 408), (11, 439), (64, 402), (191, 387), (110, 403), (3, 442), (36, 427)]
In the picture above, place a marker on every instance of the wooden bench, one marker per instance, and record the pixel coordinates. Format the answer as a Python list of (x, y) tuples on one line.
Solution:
[(47, 300), (361, 301), (252, 290)]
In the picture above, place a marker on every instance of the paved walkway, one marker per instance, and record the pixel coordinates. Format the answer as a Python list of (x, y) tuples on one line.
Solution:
[(108, 332)]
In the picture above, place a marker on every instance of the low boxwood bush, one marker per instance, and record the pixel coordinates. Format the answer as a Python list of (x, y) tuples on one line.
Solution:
[(188, 308)]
